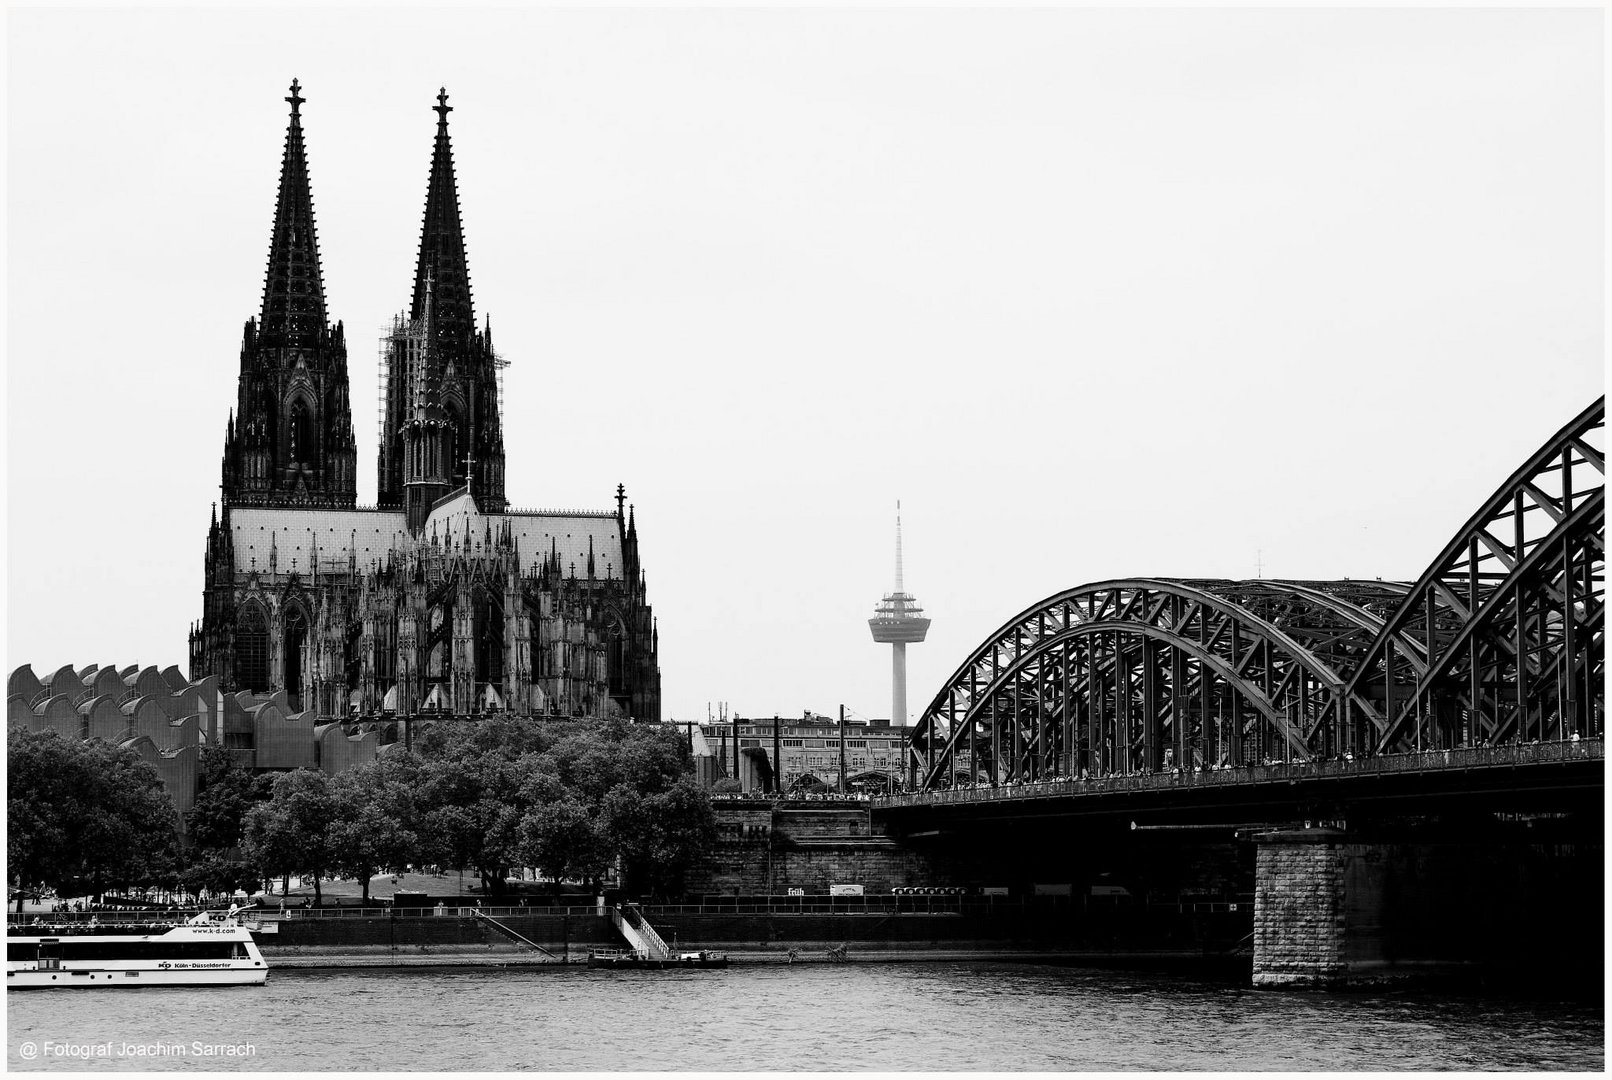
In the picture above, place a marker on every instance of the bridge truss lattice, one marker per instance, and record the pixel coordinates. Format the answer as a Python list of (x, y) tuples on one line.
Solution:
[(1501, 639)]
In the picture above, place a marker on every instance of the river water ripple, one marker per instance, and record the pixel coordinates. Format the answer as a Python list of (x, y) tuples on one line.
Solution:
[(810, 1017)]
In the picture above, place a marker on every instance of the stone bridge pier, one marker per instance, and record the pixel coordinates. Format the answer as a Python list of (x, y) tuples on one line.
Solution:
[(1334, 908), (1301, 927)]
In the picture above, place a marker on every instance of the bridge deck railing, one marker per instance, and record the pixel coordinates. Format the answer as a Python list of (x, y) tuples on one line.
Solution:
[(1508, 755)]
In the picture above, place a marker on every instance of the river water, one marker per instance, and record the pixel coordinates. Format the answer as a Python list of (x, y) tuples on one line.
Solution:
[(995, 1017)]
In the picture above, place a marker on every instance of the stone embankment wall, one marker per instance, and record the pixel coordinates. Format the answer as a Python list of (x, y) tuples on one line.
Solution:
[(774, 847), (732, 931), (1045, 924), (445, 930)]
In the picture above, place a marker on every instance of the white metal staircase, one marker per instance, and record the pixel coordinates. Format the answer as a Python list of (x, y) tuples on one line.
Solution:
[(639, 934)]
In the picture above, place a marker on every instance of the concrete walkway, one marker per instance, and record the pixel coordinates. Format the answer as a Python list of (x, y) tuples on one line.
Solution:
[(413, 956)]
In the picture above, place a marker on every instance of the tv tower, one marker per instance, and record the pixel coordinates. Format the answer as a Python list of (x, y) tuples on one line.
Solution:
[(897, 620)]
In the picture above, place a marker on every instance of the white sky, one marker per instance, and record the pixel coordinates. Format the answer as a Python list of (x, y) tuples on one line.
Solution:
[(1095, 293)]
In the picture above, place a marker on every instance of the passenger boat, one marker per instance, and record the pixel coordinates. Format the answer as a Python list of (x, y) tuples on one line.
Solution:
[(629, 960), (211, 949)]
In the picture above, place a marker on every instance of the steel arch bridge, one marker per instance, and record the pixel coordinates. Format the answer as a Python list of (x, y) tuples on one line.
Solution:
[(1500, 639)]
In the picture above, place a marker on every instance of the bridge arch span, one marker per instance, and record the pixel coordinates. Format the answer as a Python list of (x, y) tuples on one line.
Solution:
[(1137, 675), (1501, 639), (1509, 617)]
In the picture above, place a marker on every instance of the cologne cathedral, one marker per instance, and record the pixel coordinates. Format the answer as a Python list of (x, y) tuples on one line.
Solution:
[(439, 597)]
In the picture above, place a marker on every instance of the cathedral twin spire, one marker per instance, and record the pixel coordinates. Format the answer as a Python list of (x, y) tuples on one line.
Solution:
[(290, 440), (441, 269), (293, 290), (293, 437), (440, 335)]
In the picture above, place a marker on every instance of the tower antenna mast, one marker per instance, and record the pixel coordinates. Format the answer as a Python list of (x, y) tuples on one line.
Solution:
[(898, 620)]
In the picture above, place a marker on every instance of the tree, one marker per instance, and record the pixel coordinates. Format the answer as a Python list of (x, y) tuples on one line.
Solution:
[(84, 815), (658, 836), (373, 814), (216, 873), (569, 798), (683, 828), (226, 791), (290, 833), (564, 841), (455, 813)]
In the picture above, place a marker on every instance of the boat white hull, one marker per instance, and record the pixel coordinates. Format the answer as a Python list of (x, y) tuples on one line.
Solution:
[(134, 977), (207, 950)]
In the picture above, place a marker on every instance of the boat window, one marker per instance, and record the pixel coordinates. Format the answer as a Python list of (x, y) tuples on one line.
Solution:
[(17, 951), (147, 950)]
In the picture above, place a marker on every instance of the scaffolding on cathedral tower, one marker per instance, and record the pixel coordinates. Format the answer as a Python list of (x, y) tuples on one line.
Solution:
[(391, 335), (499, 364), (438, 592)]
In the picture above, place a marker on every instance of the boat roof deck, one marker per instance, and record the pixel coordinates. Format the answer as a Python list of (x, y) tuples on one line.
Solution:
[(123, 929)]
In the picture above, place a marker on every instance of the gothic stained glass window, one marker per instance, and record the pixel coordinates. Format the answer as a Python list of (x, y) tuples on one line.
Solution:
[(455, 441), (296, 632), (353, 656), (618, 658), (488, 631), (251, 649), (301, 430)]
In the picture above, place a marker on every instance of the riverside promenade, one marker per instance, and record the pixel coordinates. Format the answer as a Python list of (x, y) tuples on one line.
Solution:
[(498, 956), (1014, 931), (875, 928)]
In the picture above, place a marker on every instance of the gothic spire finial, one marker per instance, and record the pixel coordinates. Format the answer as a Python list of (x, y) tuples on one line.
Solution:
[(442, 247), (293, 289)]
